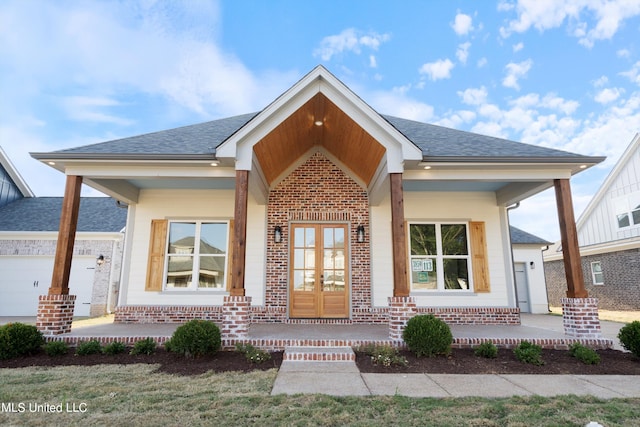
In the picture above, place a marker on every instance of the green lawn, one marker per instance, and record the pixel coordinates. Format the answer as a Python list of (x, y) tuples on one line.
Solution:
[(112, 395)]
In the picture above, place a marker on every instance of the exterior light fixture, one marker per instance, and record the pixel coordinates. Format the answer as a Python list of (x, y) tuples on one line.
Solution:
[(318, 123), (100, 260), (360, 234), (583, 166), (51, 163), (427, 167), (215, 163), (277, 234)]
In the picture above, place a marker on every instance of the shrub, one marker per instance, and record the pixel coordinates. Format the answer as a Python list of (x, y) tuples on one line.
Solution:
[(426, 335), (584, 354), (253, 355), (385, 355), (629, 337), (195, 338), (56, 348), (89, 347), (527, 352), (146, 346), (114, 348), (18, 339), (487, 350)]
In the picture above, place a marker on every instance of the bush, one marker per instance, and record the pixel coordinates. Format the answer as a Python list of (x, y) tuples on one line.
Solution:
[(114, 348), (253, 355), (487, 350), (89, 347), (426, 335), (56, 348), (584, 354), (527, 352), (195, 338), (385, 355), (146, 346), (18, 339), (629, 337)]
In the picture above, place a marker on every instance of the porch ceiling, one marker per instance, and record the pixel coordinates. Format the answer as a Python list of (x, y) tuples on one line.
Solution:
[(339, 134)]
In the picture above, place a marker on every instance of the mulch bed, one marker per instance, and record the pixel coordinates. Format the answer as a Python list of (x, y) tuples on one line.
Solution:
[(460, 361), (463, 361)]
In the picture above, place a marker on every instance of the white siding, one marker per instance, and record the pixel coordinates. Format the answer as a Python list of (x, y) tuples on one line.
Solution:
[(527, 254), (171, 204), (441, 206), (601, 226)]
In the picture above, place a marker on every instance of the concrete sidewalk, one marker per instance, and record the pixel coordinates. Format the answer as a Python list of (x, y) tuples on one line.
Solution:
[(344, 379)]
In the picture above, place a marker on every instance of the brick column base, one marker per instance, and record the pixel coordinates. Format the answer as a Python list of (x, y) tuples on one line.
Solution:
[(55, 314), (235, 317), (580, 317), (401, 309)]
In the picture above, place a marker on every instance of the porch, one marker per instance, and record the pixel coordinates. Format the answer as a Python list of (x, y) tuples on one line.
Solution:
[(544, 330)]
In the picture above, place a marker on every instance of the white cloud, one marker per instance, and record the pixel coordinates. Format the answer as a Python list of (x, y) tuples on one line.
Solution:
[(601, 81), (518, 47), (373, 63), (462, 53), (633, 74), (516, 71), (473, 96), (608, 95), (489, 129), (84, 108), (623, 53), (397, 103), (462, 24), (547, 14), (349, 40), (440, 69), (482, 62)]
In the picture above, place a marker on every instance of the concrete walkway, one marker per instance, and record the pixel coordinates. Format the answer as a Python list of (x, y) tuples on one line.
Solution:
[(344, 379)]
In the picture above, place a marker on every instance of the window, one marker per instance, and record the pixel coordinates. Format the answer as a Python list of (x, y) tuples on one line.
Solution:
[(197, 255), (439, 255), (596, 273), (627, 210)]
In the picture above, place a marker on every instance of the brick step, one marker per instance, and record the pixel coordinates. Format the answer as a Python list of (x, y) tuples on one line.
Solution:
[(319, 354)]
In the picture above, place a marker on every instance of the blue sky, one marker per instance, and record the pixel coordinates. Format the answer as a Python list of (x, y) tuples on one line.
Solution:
[(557, 73)]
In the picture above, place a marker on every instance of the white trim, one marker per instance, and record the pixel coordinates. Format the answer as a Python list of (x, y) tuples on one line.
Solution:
[(593, 273), (15, 175)]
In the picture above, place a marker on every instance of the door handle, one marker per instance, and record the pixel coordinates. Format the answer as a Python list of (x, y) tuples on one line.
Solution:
[(36, 283)]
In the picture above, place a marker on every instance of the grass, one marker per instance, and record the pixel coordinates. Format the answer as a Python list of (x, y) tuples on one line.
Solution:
[(136, 395)]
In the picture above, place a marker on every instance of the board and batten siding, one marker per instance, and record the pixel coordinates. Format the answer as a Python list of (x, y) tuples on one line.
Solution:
[(189, 205), (601, 225), (441, 207)]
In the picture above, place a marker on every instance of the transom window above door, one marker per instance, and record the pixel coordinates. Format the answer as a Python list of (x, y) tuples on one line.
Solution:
[(196, 255), (439, 257)]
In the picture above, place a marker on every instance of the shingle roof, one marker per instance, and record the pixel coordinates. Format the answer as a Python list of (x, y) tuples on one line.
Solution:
[(97, 214), (523, 238), (434, 141)]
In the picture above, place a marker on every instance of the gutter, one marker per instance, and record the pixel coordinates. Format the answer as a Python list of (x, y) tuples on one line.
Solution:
[(513, 267)]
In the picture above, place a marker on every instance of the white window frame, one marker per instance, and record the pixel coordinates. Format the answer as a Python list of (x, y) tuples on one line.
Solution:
[(625, 206), (195, 279), (440, 257), (595, 273)]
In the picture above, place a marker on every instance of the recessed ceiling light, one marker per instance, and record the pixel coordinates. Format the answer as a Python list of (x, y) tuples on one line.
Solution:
[(427, 167), (583, 166), (318, 123), (216, 163), (51, 163)]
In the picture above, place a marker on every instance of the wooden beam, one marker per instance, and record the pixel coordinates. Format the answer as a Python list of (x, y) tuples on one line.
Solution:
[(66, 236), (239, 233), (569, 239), (399, 236)]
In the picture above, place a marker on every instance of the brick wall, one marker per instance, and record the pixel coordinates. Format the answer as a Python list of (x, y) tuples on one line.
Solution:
[(317, 191), (621, 289)]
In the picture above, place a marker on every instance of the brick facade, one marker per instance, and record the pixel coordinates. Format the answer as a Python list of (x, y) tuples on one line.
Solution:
[(580, 317), (55, 314), (621, 289)]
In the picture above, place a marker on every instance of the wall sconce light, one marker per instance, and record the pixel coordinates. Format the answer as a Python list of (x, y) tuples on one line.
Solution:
[(100, 260), (277, 234), (532, 265), (360, 234)]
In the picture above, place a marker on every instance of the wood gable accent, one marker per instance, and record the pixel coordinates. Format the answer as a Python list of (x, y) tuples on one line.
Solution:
[(157, 250), (479, 258), (339, 134)]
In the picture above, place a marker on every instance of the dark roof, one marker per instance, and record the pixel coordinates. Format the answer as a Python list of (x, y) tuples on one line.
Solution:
[(434, 141), (97, 214), (520, 237)]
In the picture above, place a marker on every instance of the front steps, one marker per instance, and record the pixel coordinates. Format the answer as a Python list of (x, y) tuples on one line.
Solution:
[(318, 354)]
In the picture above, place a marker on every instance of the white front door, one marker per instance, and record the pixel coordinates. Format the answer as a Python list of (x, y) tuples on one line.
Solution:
[(24, 278)]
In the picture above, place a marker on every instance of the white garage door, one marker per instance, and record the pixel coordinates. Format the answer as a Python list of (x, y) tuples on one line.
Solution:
[(22, 279)]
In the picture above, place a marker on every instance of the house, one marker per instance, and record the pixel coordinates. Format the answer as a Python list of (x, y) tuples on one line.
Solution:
[(28, 237), (531, 289), (609, 239), (320, 210)]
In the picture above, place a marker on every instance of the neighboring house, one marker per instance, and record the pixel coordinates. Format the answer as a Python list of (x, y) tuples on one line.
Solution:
[(316, 210), (609, 238), (528, 268), (28, 235)]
